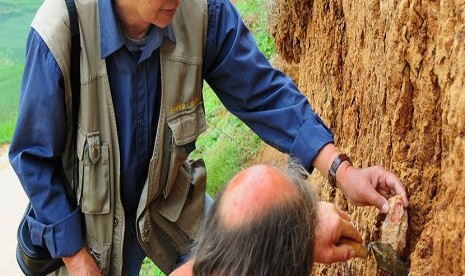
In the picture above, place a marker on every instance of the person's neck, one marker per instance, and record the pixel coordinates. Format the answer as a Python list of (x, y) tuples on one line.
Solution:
[(132, 26)]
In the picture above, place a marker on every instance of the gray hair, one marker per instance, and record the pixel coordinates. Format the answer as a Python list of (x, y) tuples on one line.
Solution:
[(281, 242)]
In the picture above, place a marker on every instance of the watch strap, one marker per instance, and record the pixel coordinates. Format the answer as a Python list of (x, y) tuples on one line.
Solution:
[(334, 166)]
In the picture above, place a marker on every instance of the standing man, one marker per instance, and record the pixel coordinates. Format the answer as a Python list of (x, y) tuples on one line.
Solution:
[(143, 63)]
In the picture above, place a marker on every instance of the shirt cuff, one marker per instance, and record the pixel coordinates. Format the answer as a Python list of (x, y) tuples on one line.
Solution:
[(62, 239), (305, 150)]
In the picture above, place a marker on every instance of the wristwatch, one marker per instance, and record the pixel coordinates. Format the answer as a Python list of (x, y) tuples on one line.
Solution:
[(334, 166)]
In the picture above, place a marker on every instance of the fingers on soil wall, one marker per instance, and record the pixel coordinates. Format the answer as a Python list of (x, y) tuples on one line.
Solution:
[(388, 78)]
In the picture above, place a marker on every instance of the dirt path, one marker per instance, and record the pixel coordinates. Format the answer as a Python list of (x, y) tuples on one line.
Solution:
[(12, 204)]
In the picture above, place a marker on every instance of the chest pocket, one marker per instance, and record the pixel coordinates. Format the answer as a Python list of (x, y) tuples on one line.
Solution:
[(92, 193), (185, 128), (181, 207)]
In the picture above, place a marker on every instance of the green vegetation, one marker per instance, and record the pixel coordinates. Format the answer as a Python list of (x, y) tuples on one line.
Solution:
[(15, 28), (15, 18), (254, 13), (226, 146), (8, 7), (10, 76), (150, 269)]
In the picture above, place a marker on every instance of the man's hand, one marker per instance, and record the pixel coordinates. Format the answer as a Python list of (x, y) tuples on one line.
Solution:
[(81, 263), (332, 225), (369, 186)]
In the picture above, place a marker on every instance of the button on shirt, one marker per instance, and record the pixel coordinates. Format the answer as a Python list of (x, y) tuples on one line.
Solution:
[(263, 97), (132, 65)]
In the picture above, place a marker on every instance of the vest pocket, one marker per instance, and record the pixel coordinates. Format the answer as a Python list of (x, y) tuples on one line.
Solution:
[(181, 213), (179, 209), (93, 194), (100, 253), (185, 127)]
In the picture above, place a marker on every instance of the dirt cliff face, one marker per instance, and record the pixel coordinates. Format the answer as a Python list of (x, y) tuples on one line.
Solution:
[(388, 78)]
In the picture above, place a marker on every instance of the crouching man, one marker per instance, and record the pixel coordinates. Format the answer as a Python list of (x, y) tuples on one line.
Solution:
[(268, 221)]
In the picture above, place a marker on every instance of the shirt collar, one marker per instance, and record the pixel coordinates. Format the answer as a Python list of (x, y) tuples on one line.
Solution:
[(155, 39), (111, 36)]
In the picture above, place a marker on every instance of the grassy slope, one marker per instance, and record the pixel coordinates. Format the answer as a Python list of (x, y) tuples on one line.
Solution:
[(226, 145), (15, 18), (9, 91)]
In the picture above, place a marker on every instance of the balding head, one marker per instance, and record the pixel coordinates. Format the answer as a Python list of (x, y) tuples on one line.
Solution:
[(262, 223), (252, 192)]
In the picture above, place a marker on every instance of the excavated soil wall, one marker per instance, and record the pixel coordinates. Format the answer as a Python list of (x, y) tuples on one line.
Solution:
[(388, 79)]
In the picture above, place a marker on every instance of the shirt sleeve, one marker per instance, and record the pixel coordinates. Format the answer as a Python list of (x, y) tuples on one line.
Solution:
[(263, 97), (35, 152)]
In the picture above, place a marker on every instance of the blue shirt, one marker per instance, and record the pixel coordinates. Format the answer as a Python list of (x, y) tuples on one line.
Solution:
[(261, 96)]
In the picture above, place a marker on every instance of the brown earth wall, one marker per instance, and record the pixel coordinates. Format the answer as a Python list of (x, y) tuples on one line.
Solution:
[(388, 79)]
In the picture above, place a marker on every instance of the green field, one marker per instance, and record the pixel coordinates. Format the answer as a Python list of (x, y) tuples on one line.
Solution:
[(15, 19)]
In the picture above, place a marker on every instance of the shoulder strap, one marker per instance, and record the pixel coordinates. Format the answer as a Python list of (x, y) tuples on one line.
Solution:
[(75, 76), (75, 55)]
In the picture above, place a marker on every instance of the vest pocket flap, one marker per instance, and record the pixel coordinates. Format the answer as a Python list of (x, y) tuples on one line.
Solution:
[(188, 124), (181, 214), (173, 204), (93, 140)]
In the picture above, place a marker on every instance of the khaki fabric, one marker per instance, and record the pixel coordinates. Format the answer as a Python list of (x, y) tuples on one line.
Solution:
[(172, 202)]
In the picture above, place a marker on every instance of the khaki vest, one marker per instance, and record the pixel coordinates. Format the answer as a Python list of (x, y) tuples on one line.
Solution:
[(171, 206)]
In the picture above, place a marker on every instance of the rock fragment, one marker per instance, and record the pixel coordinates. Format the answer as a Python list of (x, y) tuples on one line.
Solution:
[(394, 227)]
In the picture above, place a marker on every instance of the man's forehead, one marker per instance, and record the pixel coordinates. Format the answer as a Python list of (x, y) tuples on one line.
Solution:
[(253, 191)]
